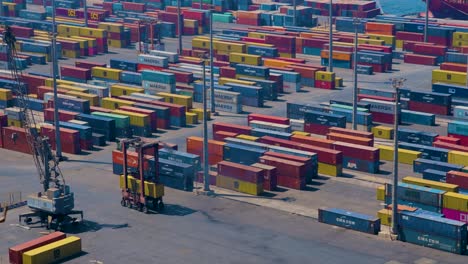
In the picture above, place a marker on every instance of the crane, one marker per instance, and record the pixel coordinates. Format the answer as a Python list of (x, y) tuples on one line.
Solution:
[(150, 24), (53, 206)]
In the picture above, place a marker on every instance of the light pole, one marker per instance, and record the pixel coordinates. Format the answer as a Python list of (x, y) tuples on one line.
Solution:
[(206, 175), (427, 21), (179, 26), (356, 23), (85, 13), (212, 93), (396, 84), (294, 14), (58, 144), (330, 44)]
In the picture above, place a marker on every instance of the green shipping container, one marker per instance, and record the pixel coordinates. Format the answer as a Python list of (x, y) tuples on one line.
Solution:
[(121, 121)]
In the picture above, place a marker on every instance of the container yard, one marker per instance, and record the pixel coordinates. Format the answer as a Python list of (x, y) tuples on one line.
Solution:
[(186, 131)]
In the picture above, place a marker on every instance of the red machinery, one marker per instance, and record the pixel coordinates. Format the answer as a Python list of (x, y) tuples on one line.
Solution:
[(138, 193)]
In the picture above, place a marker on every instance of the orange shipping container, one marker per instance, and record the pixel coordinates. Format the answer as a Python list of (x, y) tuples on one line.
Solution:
[(196, 144), (351, 139), (276, 63), (380, 28), (337, 55), (313, 141)]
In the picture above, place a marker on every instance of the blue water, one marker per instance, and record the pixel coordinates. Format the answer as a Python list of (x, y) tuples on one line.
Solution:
[(402, 7)]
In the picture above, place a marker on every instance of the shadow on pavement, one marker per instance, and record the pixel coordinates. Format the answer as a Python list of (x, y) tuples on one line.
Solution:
[(177, 210), (91, 226)]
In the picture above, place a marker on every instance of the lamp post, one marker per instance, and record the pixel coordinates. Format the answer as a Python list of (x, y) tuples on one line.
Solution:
[(294, 15), (426, 20), (330, 42), (396, 84), (206, 175), (213, 106), (85, 13), (179, 26), (356, 23)]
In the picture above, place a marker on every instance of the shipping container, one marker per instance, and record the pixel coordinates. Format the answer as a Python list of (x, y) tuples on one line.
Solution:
[(16, 252), (350, 220), (431, 184), (54, 252)]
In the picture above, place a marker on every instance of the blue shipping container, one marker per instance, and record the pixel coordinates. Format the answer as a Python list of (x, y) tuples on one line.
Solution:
[(241, 154), (349, 220), (433, 241), (427, 152), (435, 175), (420, 165)]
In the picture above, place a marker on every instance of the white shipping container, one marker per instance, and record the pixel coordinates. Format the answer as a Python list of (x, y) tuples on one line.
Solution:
[(460, 112), (227, 107), (224, 96), (153, 60), (94, 89), (380, 106), (153, 88), (270, 126), (296, 124), (171, 56)]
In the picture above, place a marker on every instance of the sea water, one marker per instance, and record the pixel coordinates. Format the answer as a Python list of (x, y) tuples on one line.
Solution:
[(402, 7)]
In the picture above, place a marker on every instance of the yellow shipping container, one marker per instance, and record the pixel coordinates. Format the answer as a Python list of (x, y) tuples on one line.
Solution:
[(459, 43), (456, 201), (431, 184), (399, 44), (111, 27), (131, 183), (72, 88), (5, 94), (92, 32), (448, 77), (177, 99), (201, 43), (338, 82), (329, 169), (385, 216), (113, 103), (276, 63), (119, 90), (243, 58), (458, 157), (191, 118), (388, 40), (92, 98), (91, 41), (65, 30), (371, 41), (286, 55), (190, 23), (381, 193), (136, 119), (460, 36), (325, 76), (240, 76), (83, 43), (118, 44), (15, 123), (247, 137), (230, 47), (224, 80), (199, 112), (301, 133), (72, 54), (50, 82), (108, 73), (259, 45), (151, 189), (404, 156), (238, 185), (54, 252), (383, 132), (256, 35)]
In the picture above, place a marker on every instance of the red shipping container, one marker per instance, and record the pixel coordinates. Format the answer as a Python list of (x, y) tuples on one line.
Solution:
[(86, 144), (267, 118), (450, 140), (240, 172), (183, 77), (429, 108), (88, 64), (16, 252), (324, 85), (351, 132), (152, 114), (386, 49), (457, 177), (201, 177), (285, 167), (463, 139), (75, 72), (219, 126), (309, 166), (175, 109), (253, 40), (270, 176), (458, 67), (358, 151), (351, 139), (227, 72), (402, 35), (420, 59), (137, 7), (41, 90), (221, 135), (220, 63), (314, 141), (383, 118), (132, 159), (14, 138), (64, 116), (33, 82), (292, 183), (316, 129), (69, 138), (142, 67), (22, 32), (328, 156), (450, 146), (426, 49)]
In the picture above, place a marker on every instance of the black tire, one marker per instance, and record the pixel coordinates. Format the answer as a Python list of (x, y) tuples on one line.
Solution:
[(122, 202), (160, 206), (145, 209)]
